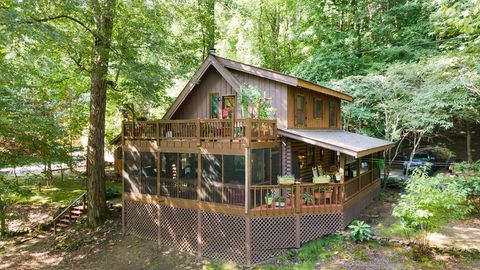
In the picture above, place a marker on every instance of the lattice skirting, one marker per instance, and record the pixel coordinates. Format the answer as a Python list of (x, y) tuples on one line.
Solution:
[(141, 219), (228, 237)]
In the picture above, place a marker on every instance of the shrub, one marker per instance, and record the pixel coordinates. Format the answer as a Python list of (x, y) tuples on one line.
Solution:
[(111, 193), (430, 202), (361, 231)]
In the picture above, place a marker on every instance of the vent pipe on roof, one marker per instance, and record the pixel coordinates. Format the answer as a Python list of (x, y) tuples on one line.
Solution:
[(213, 51)]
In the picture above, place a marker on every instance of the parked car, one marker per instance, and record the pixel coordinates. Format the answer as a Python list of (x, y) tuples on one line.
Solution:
[(420, 160)]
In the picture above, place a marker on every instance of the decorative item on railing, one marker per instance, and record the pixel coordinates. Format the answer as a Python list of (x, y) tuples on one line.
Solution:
[(286, 179)]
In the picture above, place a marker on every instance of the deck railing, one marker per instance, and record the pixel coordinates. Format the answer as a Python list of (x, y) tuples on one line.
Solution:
[(298, 198), (357, 184), (201, 129)]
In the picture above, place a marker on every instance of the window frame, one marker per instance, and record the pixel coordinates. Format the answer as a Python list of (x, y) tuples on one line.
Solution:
[(332, 104), (210, 109), (296, 110), (315, 100)]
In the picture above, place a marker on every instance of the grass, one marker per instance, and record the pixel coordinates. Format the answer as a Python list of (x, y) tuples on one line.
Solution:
[(59, 193)]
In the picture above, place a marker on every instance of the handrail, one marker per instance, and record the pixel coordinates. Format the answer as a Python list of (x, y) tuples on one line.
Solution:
[(202, 129), (72, 204)]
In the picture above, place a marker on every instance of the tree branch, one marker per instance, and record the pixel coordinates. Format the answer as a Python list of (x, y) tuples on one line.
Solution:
[(52, 18)]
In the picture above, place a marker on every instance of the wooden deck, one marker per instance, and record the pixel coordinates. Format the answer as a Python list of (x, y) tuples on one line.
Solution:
[(327, 198), (202, 129)]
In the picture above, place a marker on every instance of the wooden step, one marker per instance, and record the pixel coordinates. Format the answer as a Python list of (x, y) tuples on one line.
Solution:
[(62, 225), (77, 212), (79, 207)]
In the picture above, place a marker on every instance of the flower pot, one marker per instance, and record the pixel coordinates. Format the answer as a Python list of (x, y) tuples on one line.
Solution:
[(321, 179), (282, 204), (286, 180), (277, 204), (269, 201)]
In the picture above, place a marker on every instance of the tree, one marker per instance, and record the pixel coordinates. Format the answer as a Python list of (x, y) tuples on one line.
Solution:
[(8, 189), (127, 60)]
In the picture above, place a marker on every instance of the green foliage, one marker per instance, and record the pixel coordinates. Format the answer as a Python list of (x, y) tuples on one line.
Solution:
[(323, 248), (309, 198), (8, 189), (254, 105), (361, 231), (430, 202), (112, 193)]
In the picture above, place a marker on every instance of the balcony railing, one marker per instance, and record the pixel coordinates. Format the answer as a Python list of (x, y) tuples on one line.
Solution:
[(201, 129)]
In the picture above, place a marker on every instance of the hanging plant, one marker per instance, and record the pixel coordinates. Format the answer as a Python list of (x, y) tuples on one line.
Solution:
[(254, 105)]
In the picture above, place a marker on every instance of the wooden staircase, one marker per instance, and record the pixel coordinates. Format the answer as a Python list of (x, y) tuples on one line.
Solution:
[(69, 214)]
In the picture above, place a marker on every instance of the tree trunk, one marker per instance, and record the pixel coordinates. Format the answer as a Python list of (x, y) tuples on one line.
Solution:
[(103, 18), (469, 142), (3, 216)]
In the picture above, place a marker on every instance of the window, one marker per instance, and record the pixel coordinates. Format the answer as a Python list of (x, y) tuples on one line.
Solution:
[(132, 172), (332, 118), (300, 110), (168, 174), (234, 179), (213, 105), (310, 155), (261, 166), (318, 109), (188, 176), (228, 107), (276, 166), (212, 178), (149, 173)]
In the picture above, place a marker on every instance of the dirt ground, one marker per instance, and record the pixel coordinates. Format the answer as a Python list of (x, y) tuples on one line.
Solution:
[(107, 248)]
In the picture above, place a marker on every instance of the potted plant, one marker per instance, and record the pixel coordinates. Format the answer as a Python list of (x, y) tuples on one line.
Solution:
[(276, 200), (286, 179), (321, 179), (338, 176), (281, 201), (268, 199), (308, 198)]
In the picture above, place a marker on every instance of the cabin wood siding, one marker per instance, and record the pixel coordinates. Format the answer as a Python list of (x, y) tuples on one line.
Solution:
[(325, 160), (311, 121), (196, 105), (275, 90)]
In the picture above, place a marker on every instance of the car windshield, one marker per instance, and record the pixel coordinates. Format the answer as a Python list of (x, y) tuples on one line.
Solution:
[(421, 156)]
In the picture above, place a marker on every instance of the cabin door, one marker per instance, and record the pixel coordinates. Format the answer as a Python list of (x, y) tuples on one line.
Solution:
[(228, 107), (295, 165)]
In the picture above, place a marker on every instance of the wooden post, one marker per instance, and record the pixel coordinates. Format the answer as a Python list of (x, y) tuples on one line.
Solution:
[(298, 199), (198, 133), (199, 175), (248, 131), (341, 170), (199, 233), (358, 174), (248, 241), (248, 176), (297, 231)]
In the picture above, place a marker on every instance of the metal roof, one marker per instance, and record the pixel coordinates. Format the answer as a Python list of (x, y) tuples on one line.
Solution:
[(349, 143)]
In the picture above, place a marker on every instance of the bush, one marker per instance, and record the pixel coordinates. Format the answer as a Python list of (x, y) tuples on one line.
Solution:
[(111, 193), (430, 202), (361, 231)]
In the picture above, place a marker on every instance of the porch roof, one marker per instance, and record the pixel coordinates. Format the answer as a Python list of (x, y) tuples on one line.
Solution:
[(349, 143)]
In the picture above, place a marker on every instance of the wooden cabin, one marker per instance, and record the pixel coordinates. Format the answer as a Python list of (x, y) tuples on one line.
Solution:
[(116, 143), (206, 181)]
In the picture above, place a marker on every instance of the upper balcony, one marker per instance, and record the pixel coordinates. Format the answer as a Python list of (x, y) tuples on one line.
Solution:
[(246, 130)]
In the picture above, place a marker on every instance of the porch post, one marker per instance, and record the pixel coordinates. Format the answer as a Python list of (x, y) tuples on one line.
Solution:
[(341, 168), (123, 179), (248, 175)]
